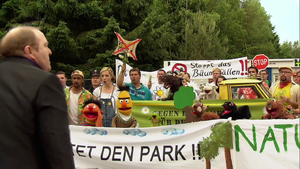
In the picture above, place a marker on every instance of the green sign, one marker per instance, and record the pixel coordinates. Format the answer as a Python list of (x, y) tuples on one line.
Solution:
[(170, 115)]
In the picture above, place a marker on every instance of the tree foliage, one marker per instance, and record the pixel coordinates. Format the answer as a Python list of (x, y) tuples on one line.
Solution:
[(221, 137), (81, 32), (202, 38), (184, 97), (290, 50)]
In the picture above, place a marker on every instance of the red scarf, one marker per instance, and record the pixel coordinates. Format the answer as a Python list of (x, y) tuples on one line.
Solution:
[(284, 84)]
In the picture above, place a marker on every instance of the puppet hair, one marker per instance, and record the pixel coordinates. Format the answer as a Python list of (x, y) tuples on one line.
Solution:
[(96, 102), (126, 88)]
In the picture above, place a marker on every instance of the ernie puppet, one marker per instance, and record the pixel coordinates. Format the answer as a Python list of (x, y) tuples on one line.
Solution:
[(92, 113)]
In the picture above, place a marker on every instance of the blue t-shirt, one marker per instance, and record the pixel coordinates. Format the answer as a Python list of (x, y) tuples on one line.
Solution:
[(143, 93)]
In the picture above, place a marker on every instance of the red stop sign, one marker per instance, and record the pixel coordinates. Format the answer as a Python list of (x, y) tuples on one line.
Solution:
[(260, 61)]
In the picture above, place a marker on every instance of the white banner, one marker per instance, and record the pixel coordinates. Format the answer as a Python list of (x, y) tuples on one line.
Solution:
[(202, 69), (262, 144), (257, 144), (144, 74), (164, 147)]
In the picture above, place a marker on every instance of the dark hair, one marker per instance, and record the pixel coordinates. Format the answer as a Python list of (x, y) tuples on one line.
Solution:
[(188, 74), (122, 88), (96, 102), (61, 73), (135, 69), (252, 67), (216, 82), (161, 70), (264, 71), (223, 77)]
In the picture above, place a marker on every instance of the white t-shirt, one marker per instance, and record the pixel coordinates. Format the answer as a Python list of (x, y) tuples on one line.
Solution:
[(114, 97), (212, 84), (73, 113), (158, 89)]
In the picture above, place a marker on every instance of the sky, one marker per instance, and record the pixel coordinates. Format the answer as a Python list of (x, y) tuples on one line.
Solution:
[(285, 18)]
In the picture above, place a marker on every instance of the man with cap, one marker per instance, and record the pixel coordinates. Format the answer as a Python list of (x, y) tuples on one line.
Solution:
[(295, 77), (298, 75), (76, 95), (285, 89), (96, 81)]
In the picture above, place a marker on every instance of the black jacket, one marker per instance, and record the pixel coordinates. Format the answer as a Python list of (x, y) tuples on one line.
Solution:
[(34, 131)]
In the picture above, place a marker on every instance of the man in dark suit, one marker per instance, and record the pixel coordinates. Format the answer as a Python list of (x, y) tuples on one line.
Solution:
[(34, 131)]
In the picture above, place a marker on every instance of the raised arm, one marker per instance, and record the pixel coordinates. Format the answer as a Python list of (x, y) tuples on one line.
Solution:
[(120, 81)]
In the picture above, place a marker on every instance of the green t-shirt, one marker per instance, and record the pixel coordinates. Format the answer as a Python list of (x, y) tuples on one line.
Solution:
[(143, 93)]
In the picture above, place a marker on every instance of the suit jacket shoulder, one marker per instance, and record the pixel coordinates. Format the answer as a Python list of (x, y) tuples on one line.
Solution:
[(35, 112)]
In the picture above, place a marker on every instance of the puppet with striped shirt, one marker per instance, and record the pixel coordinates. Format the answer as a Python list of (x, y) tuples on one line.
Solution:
[(124, 118)]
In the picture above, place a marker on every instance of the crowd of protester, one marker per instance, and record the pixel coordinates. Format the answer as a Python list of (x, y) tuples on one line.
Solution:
[(38, 106), (104, 88)]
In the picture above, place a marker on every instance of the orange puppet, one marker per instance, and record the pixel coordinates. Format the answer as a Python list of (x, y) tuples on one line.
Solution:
[(92, 113)]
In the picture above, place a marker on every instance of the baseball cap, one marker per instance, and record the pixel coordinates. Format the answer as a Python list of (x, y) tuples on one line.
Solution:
[(286, 67), (95, 73), (77, 72), (295, 73)]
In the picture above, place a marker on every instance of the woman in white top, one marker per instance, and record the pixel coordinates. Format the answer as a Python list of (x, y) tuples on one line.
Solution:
[(107, 94)]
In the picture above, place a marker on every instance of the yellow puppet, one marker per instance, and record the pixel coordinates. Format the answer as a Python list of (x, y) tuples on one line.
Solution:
[(124, 118)]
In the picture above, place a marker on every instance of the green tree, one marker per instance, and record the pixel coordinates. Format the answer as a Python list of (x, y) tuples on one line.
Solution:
[(202, 38), (296, 49), (275, 41), (231, 17), (286, 50), (81, 32), (209, 150), (259, 31), (221, 137), (184, 98)]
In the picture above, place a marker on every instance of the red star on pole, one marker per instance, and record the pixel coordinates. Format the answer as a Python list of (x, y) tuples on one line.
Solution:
[(124, 46)]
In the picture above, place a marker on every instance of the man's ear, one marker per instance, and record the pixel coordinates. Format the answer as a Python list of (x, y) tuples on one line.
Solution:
[(28, 51)]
